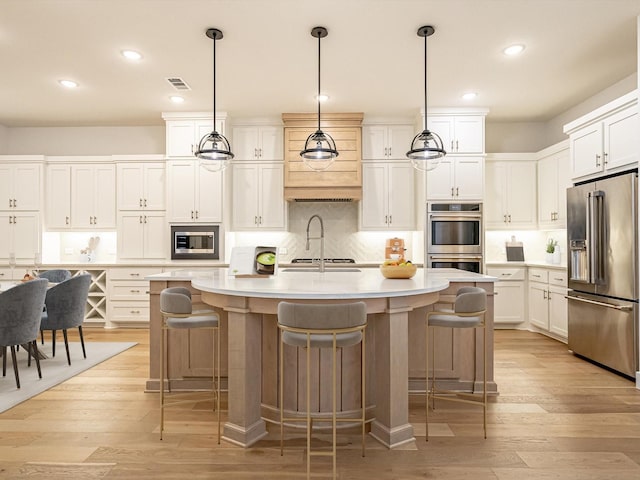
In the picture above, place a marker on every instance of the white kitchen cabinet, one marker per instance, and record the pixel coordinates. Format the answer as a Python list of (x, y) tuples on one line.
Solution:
[(554, 177), (128, 296), (257, 143), (141, 186), (20, 186), (387, 196), (21, 235), (195, 193), (510, 195), (456, 178), (605, 140), (459, 133), (141, 235), (58, 194), (93, 196), (547, 302), (258, 196), (509, 302), (184, 130), (386, 142)]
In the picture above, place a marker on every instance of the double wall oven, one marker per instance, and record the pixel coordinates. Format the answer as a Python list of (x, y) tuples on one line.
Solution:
[(453, 236)]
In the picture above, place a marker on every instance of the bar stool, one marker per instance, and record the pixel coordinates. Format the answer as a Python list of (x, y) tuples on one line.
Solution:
[(177, 312), (469, 309), (322, 326)]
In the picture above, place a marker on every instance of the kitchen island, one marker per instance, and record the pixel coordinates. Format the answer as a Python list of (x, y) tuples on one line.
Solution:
[(395, 345)]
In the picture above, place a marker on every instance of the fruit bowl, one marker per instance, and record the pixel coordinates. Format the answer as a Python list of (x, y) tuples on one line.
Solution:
[(398, 271)]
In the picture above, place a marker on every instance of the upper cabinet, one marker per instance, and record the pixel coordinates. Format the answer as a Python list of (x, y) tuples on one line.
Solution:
[(20, 186), (604, 140), (195, 193), (185, 129), (461, 133), (80, 195), (388, 201), (554, 177), (251, 142), (386, 142), (510, 193), (257, 196), (456, 178), (93, 196), (141, 186)]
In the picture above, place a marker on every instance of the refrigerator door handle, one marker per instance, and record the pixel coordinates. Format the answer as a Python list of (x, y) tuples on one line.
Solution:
[(623, 308), (595, 236)]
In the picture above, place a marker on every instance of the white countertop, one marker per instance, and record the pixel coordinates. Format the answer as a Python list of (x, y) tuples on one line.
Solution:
[(368, 283), (533, 263)]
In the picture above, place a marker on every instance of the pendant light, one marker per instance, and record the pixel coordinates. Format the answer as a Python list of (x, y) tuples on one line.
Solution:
[(319, 149), (214, 150), (426, 148)]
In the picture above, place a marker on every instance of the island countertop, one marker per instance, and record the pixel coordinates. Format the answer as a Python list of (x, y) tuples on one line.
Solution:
[(303, 284)]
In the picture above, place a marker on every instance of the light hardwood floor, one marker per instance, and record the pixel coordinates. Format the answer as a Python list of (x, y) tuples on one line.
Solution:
[(557, 417)]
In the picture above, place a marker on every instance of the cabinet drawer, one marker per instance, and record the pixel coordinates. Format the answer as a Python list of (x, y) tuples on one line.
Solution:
[(506, 273), (129, 312), (538, 275), (121, 290), (132, 273), (558, 277)]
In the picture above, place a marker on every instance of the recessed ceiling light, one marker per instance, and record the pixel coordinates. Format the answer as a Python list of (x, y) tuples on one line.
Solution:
[(68, 83), (469, 95), (513, 50), (322, 97), (176, 99), (131, 55)]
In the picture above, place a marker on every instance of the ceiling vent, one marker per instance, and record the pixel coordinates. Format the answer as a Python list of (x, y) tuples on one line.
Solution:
[(178, 83)]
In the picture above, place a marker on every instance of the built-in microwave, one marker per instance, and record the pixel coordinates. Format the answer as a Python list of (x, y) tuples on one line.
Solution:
[(195, 242)]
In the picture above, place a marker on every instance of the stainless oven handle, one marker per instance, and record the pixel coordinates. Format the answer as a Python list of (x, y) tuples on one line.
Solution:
[(457, 216), (624, 308), (457, 259)]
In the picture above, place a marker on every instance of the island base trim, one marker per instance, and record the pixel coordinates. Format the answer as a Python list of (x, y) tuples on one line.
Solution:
[(392, 437), (244, 436)]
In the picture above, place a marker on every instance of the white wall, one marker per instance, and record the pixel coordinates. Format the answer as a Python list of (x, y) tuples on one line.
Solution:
[(515, 137), (84, 140), (4, 135)]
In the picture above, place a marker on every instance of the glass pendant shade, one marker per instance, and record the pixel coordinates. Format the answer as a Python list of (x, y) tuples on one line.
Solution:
[(214, 150), (426, 147), (320, 149), (426, 151)]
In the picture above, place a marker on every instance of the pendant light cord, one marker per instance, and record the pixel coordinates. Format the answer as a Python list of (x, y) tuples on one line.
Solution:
[(425, 82), (318, 82), (214, 84)]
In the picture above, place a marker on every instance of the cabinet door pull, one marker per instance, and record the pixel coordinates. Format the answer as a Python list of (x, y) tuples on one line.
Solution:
[(386, 219), (255, 219), (15, 219), (451, 145), (389, 151), (140, 202), (452, 191), (134, 291), (509, 218), (10, 203), (456, 145), (544, 294), (134, 274), (505, 218), (260, 152), (260, 220), (597, 160), (192, 215), (10, 222), (140, 219), (558, 279), (255, 152), (457, 192), (66, 220), (390, 219), (197, 214), (145, 219), (605, 158)]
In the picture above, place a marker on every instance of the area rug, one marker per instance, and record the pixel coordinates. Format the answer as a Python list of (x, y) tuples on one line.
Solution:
[(55, 370)]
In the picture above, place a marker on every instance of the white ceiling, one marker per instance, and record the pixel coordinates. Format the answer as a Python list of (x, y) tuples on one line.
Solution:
[(372, 59)]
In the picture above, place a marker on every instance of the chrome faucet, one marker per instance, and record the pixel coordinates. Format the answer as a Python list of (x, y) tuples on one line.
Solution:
[(321, 238)]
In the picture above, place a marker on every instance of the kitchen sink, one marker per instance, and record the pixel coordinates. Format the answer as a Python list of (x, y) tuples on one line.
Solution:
[(326, 269)]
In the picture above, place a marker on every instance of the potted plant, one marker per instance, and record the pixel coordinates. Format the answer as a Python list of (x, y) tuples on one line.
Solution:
[(551, 249)]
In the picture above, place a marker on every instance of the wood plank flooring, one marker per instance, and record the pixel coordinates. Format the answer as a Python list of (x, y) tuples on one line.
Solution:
[(557, 417)]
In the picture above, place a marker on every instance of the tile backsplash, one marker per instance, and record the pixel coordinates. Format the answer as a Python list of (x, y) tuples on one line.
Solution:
[(341, 236)]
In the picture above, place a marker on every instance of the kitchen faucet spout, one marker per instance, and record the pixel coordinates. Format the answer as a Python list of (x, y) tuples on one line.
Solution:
[(321, 238)]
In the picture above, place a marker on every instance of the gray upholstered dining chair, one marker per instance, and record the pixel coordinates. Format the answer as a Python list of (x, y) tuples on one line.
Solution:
[(330, 326), (177, 312), (20, 310), (65, 308), (469, 309), (56, 276)]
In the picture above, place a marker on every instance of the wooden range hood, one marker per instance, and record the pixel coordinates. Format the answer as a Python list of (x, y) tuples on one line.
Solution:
[(342, 181)]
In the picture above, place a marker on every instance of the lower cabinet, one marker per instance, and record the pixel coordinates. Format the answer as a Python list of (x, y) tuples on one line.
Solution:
[(547, 302), (129, 296), (509, 291)]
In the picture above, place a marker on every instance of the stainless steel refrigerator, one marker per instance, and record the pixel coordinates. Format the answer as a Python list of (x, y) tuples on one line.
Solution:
[(602, 236)]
